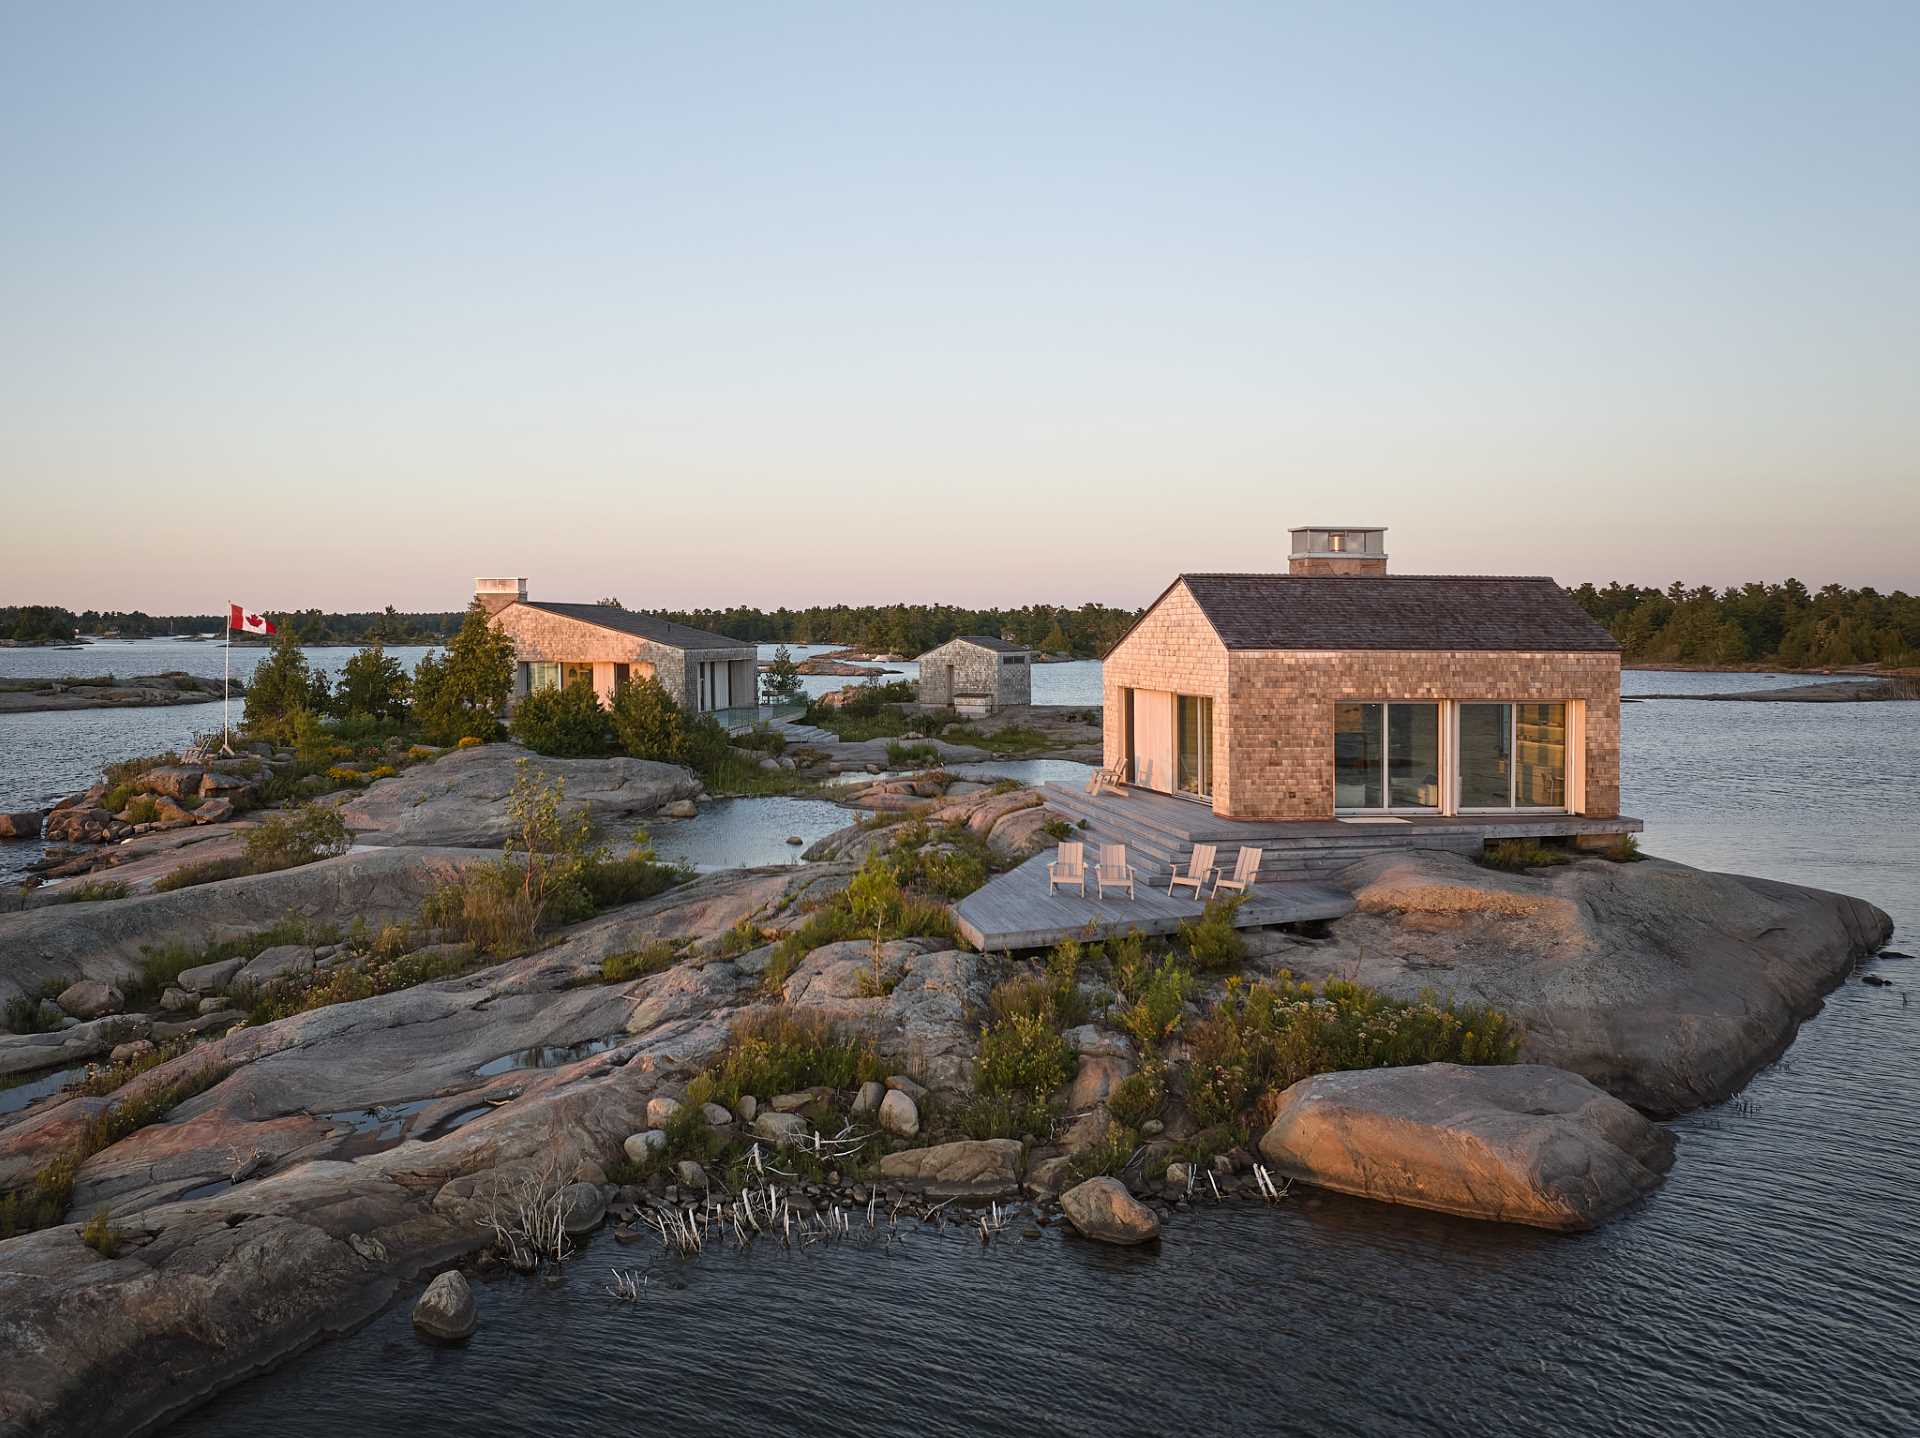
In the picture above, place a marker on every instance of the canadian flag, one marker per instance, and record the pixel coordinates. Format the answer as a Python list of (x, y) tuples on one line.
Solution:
[(248, 622)]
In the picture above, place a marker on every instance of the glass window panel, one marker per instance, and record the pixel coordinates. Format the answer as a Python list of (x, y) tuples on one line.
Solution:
[(1413, 756), (1356, 756), (1540, 756), (1194, 718), (542, 676), (1486, 760)]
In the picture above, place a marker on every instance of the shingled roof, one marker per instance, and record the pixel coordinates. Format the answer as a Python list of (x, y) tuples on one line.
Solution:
[(986, 641), (1397, 611), (641, 626)]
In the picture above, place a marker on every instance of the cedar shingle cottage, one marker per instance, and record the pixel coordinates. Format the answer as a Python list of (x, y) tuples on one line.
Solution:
[(976, 673), (557, 644), (1338, 689)]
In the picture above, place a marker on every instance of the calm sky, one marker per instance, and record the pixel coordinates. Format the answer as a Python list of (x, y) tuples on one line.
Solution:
[(342, 304)]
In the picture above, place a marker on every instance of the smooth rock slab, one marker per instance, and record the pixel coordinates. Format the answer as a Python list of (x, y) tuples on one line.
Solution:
[(993, 1161), (1520, 1143), (1103, 1210), (279, 962), (211, 978), (446, 1310)]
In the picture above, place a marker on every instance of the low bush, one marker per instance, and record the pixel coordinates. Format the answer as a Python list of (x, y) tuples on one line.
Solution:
[(780, 1051), (1157, 1002), (92, 891), (1262, 1037), (207, 871), (648, 724), (1212, 942), (301, 836), (872, 907), (654, 958), (141, 809), (100, 1235), (161, 967), (349, 983), (1112, 1154), (1514, 855), (1138, 1096), (102, 1080), (907, 756), (567, 723)]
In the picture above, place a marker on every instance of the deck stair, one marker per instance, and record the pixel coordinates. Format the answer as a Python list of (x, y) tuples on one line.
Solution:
[(1160, 832)]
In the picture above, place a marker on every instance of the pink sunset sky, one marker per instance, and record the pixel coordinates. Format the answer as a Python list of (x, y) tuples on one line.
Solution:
[(710, 305)]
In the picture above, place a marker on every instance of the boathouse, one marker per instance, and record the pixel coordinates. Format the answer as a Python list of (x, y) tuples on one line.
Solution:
[(976, 674)]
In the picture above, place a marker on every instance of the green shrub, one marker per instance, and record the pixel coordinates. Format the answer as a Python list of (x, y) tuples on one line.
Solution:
[(1138, 1096), (1514, 855), (654, 958), (1005, 1115), (461, 696), (781, 1051), (101, 1081), (100, 1235), (302, 836), (1022, 1055), (1262, 1037), (648, 723), (1057, 829), (1112, 1154), (567, 723), (884, 913), (141, 809), (161, 967), (1159, 1003), (207, 871), (905, 756), (93, 891), (373, 686), (1211, 940), (628, 878)]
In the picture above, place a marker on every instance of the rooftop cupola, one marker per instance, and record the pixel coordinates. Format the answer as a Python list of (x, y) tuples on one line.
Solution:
[(494, 595), (1338, 549)]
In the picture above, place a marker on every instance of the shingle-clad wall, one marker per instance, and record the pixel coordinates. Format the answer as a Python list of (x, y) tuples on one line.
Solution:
[(541, 637), (1273, 710), (976, 670), (1281, 749), (1172, 648)]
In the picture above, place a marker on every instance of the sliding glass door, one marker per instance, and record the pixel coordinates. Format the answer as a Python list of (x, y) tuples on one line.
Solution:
[(1386, 756), (1513, 756), (1193, 723)]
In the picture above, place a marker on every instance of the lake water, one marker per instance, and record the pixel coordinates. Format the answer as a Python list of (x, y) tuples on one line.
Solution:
[(1770, 1287)]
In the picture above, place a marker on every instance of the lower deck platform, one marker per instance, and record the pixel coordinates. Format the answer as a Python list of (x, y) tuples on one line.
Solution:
[(1015, 910)]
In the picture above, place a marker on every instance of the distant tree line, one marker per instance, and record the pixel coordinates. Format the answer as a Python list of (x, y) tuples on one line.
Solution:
[(912, 629), (1783, 624), (51, 624)]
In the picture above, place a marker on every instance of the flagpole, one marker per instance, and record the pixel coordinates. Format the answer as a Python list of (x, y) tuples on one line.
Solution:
[(226, 683)]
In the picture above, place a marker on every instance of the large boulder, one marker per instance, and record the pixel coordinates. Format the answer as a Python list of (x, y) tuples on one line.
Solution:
[(282, 961), (91, 999), (22, 825), (1667, 986), (459, 800), (988, 1164), (781, 1128), (1522, 1143), (176, 781), (446, 1310), (1103, 1210), (211, 978), (899, 1115)]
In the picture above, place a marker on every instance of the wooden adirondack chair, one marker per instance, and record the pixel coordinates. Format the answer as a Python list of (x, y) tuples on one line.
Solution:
[(1114, 871), (1199, 870), (1246, 868), (1110, 780), (1068, 867)]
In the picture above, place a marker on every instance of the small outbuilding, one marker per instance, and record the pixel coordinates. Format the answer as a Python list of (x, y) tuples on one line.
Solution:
[(976, 675)]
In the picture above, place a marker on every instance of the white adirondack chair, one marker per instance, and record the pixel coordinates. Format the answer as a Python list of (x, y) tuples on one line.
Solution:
[(1114, 871), (1110, 780), (1246, 868), (1069, 866), (1199, 870)]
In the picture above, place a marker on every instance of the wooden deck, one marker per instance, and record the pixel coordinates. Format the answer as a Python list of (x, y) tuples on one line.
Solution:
[(1015, 911)]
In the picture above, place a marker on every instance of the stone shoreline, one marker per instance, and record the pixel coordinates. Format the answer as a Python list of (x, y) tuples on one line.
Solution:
[(338, 1153)]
